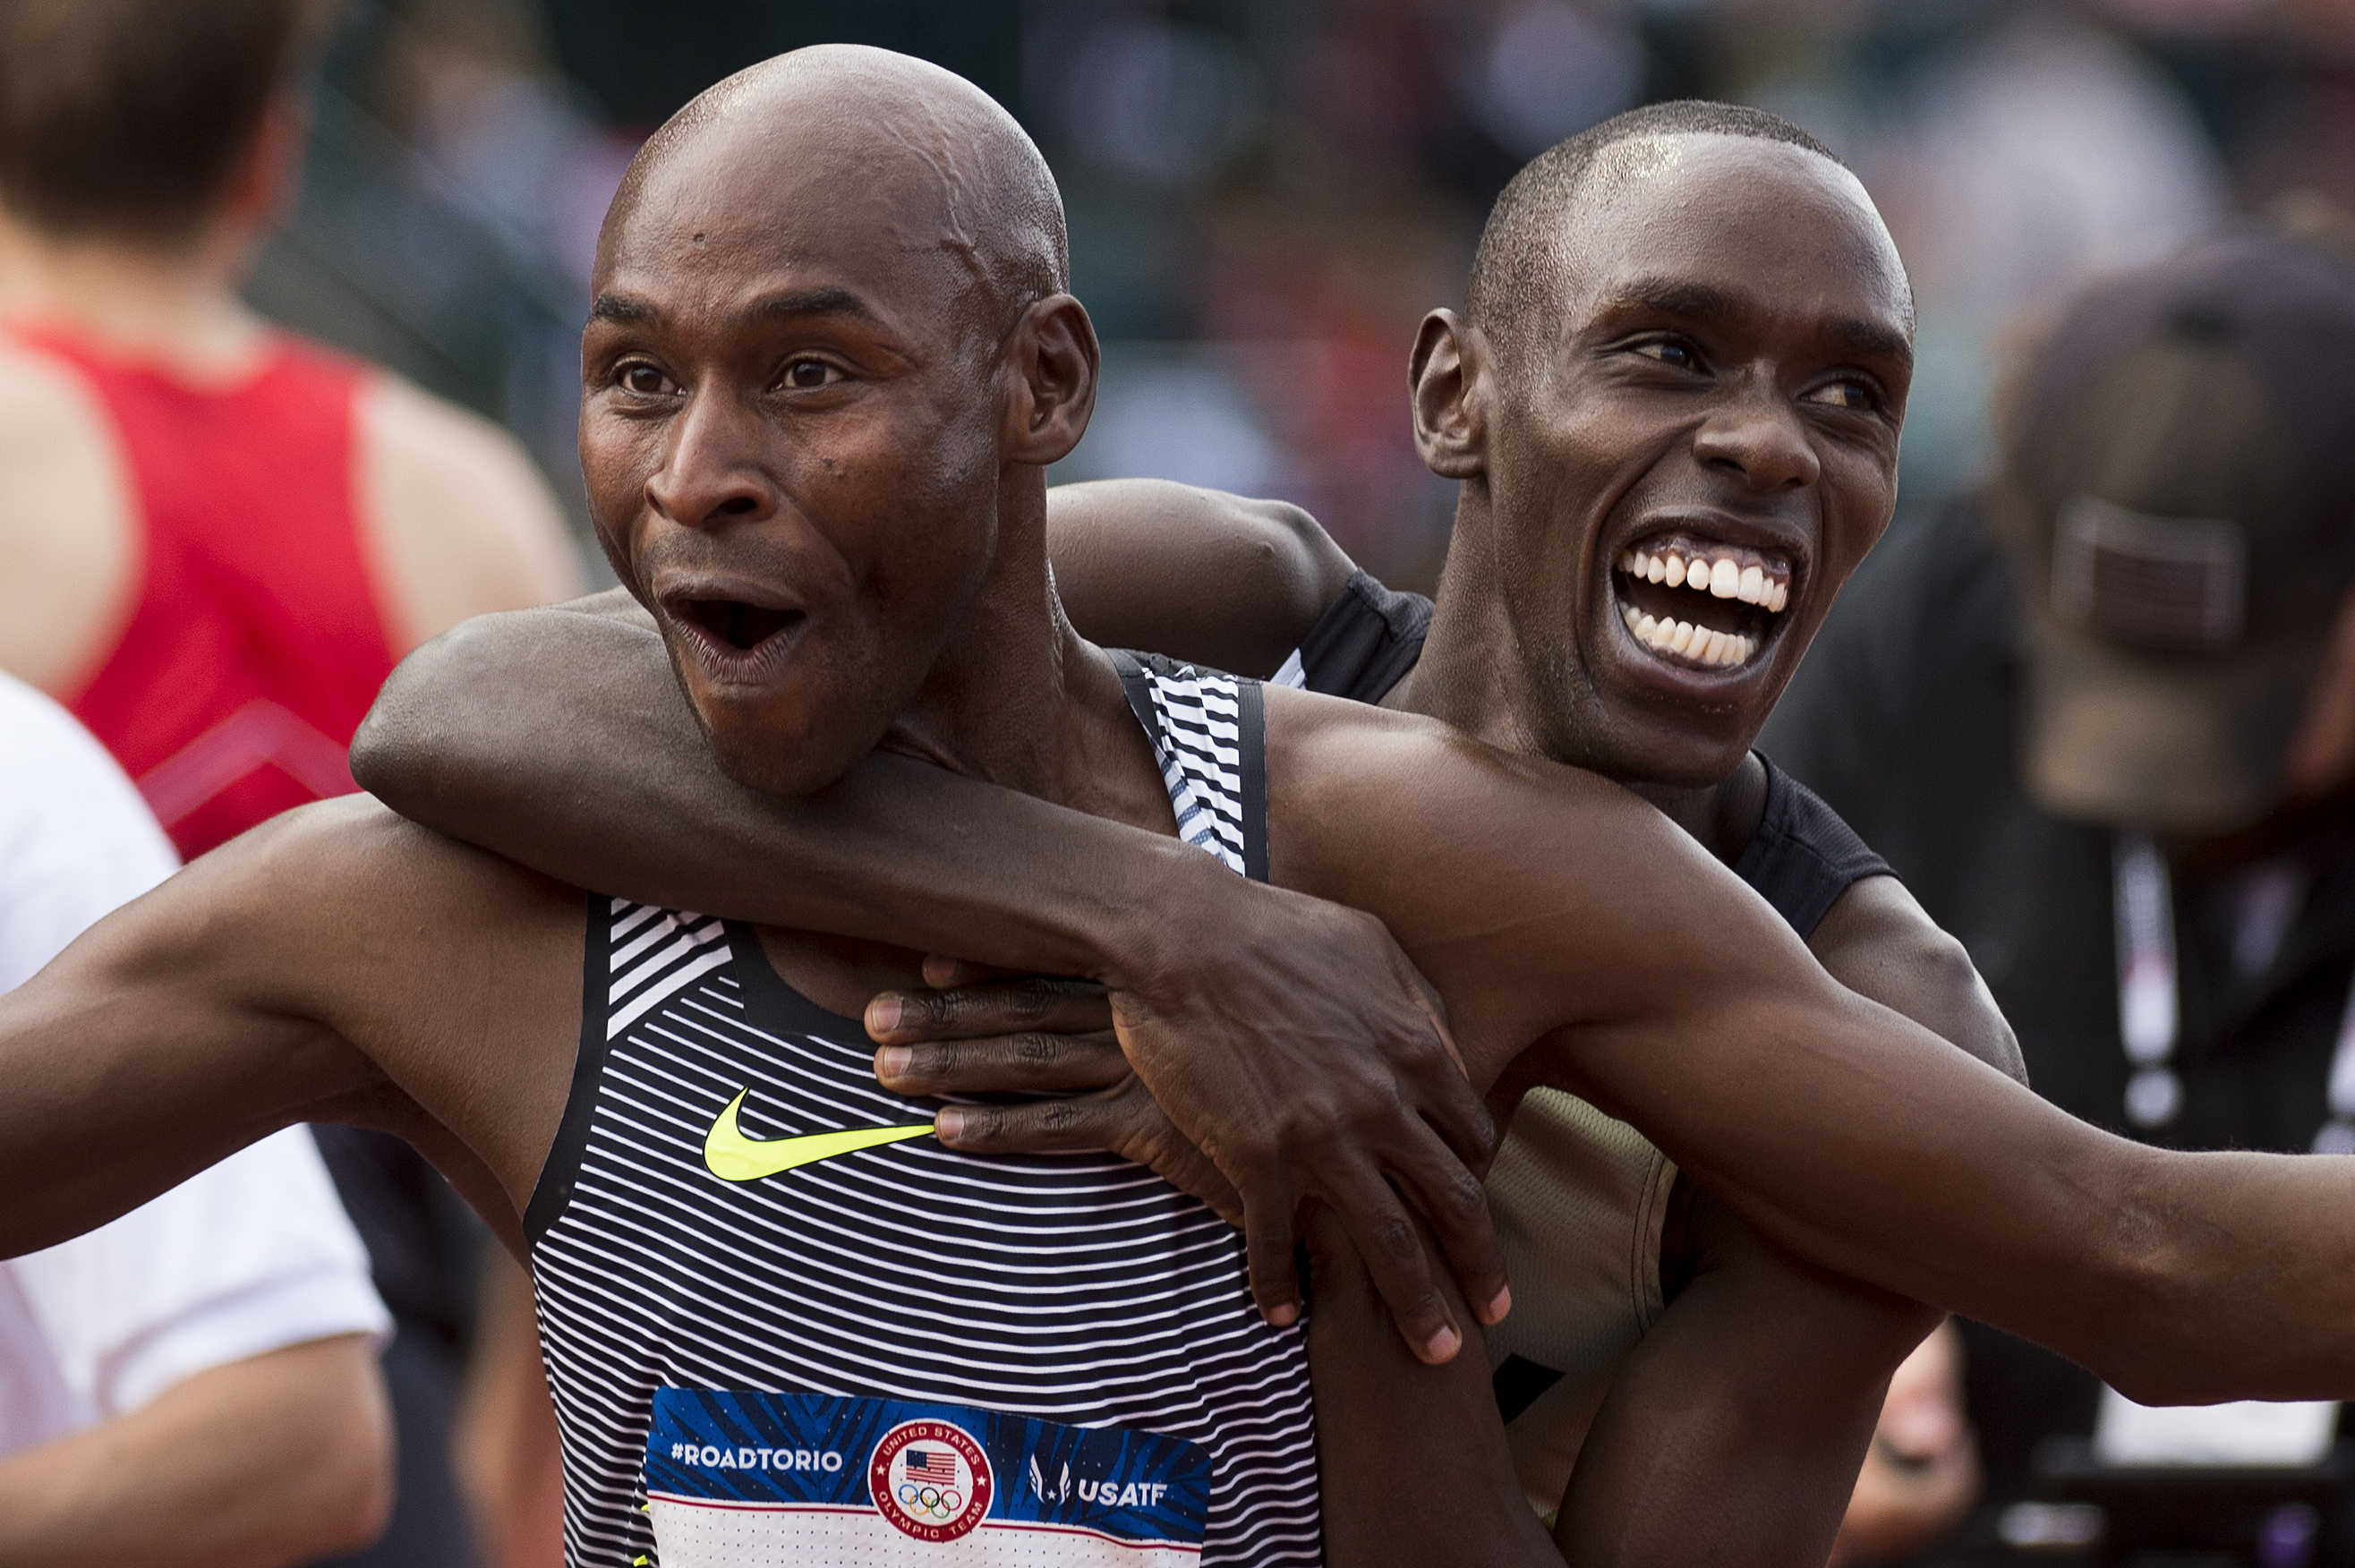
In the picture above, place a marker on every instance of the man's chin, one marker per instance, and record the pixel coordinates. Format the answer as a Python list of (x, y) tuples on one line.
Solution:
[(790, 764), (1672, 749)]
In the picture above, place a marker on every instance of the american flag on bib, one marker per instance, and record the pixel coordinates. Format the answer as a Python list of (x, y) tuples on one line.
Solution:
[(932, 1465)]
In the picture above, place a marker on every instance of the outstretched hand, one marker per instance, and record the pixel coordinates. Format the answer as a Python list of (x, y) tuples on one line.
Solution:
[(1300, 1057)]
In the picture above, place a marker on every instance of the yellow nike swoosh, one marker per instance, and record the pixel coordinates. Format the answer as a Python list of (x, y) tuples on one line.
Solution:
[(730, 1155)]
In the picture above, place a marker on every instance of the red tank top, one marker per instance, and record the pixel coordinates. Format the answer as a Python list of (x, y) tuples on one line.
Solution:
[(256, 644)]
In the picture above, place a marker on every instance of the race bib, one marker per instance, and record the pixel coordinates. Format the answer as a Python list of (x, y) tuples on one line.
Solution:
[(735, 1479)]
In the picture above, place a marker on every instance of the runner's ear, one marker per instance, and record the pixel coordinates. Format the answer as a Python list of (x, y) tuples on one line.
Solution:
[(1053, 357), (1450, 372)]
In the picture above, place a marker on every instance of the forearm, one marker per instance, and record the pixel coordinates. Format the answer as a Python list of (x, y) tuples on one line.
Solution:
[(1733, 1431), (278, 1458), (897, 851), (2178, 1278), (1412, 1462)]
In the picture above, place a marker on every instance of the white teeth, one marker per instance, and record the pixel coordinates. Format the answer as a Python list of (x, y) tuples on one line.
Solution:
[(1725, 577), (1701, 646)]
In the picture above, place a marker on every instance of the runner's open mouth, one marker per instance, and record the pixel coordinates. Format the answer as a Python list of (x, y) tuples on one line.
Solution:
[(734, 623), (1700, 604)]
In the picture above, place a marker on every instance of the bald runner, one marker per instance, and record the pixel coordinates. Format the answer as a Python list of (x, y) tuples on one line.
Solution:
[(814, 431)]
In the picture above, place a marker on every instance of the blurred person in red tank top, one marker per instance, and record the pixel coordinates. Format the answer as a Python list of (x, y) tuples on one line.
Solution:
[(221, 538)]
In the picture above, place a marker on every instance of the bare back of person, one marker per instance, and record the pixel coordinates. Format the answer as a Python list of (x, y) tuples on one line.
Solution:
[(454, 520)]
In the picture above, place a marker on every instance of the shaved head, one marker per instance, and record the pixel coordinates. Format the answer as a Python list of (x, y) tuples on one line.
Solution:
[(1521, 270), (958, 176)]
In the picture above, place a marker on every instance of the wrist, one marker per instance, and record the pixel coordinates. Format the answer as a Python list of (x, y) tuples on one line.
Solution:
[(1175, 904)]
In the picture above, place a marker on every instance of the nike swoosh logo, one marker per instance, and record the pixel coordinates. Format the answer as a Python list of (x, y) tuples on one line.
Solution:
[(731, 1156)]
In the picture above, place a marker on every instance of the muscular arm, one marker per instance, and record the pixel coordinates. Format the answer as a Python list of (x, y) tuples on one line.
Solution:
[(336, 964), (1582, 940), (278, 1458), (619, 794), (1742, 1416), (1879, 943)]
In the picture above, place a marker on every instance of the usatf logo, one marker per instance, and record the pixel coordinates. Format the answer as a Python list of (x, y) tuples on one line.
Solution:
[(931, 1479)]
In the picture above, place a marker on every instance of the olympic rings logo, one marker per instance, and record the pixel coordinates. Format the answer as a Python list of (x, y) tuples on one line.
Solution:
[(931, 1479), (934, 1502)]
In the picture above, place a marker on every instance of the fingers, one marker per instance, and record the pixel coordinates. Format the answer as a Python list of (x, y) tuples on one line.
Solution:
[(1448, 1100), (1455, 1204), (1029, 1062), (1384, 1232), (1124, 1120), (968, 1012), (1268, 1238)]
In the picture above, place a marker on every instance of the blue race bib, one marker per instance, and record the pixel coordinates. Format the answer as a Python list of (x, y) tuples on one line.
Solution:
[(735, 1477)]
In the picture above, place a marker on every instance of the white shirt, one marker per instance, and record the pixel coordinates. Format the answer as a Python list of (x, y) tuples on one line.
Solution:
[(252, 1255)]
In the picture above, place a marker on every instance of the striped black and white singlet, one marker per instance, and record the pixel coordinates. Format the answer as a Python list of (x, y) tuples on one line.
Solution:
[(770, 1350)]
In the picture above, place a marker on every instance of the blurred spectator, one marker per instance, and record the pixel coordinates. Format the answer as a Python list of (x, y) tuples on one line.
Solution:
[(2101, 718), (194, 1383), (1921, 1473), (220, 538)]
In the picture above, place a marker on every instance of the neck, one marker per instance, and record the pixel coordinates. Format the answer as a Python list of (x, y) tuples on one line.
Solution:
[(174, 306), (1019, 698), (1475, 674)]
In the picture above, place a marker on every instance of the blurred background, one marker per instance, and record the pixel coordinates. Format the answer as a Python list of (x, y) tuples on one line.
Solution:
[(1266, 195)]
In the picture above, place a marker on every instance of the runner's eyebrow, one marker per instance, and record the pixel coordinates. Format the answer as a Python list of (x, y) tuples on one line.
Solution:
[(623, 308), (1680, 297), (828, 301)]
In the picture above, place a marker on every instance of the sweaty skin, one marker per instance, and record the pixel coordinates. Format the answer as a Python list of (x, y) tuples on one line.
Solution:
[(1705, 377), (842, 539)]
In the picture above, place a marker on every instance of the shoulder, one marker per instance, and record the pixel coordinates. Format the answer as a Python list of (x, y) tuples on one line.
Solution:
[(1803, 856), (358, 858), (342, 903), (76, 840), (460, 521), (1363, 644), (1360, 797), (1879, 943), (66, 587)]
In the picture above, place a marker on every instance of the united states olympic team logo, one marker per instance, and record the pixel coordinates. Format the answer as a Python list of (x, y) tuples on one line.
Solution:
[(930, 1480)]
